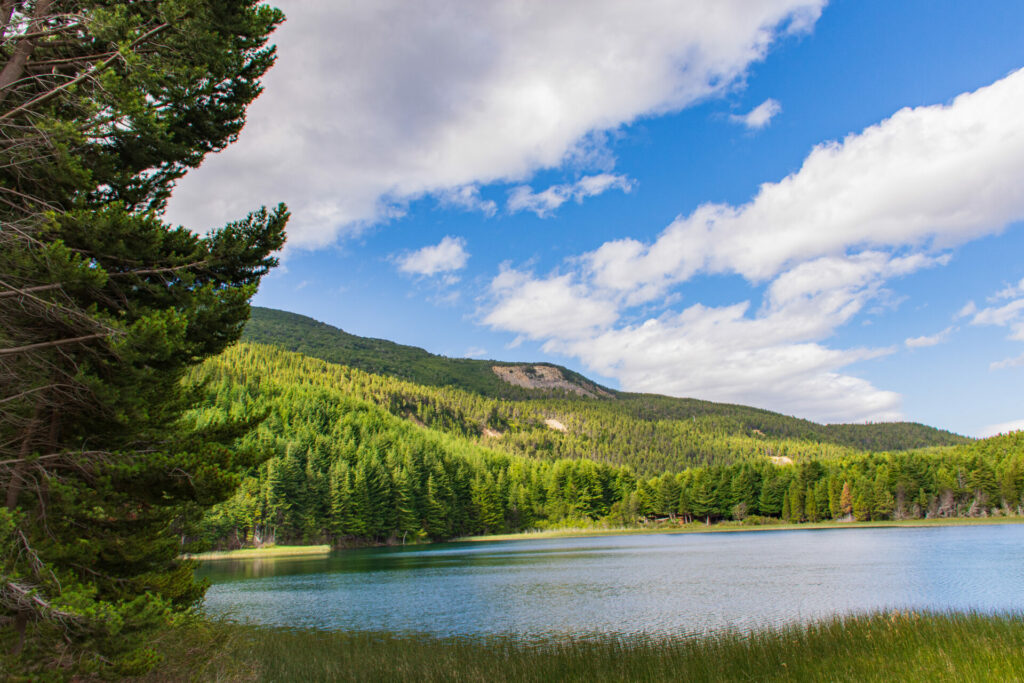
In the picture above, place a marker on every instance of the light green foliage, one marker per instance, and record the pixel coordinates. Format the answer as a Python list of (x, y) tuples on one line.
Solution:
[(667, 424)]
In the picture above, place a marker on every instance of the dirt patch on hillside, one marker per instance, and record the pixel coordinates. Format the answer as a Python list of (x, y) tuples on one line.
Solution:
[(555, 424), (492, 433), (547, 378), (781, 459)]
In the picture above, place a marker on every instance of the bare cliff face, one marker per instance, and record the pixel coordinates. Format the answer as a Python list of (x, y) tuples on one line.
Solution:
[(547, 378)]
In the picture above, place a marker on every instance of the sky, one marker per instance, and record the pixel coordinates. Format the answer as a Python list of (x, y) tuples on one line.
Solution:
[(815, 208)]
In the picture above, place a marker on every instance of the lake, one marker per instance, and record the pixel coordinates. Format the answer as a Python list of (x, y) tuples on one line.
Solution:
[(657, 584)]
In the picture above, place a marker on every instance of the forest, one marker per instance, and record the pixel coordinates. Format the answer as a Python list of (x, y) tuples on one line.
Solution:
[(349, 458)]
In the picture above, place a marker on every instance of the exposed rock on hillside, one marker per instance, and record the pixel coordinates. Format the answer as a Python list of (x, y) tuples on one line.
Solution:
[(546, 377)]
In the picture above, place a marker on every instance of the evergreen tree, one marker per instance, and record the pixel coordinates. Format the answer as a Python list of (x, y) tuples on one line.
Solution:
[(846, 500), (104, 307), (862, 504), (810, 506)]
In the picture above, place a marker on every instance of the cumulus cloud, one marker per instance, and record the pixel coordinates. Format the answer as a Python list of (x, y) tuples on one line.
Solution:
[(969, 309), (372, 104), (467, 198), (1002, 428), (928, 177), (758, 117), (822, 242), (1009, 315), (929, 340), (1016, 362), (1009, 291), (544, 203), (553, 307), (444, 257)]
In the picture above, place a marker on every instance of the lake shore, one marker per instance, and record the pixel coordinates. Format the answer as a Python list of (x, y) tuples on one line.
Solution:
[(725, 527), (269, 552), (264, 552)]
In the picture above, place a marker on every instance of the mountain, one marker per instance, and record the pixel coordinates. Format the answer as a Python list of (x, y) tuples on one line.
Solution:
[(494, 379), (567, 396)]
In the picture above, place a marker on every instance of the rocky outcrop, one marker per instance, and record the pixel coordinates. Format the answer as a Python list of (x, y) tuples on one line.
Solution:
[(546, 378)]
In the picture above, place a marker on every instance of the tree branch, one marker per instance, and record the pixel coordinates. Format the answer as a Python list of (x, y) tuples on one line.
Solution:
[(55, 342), (88, 74)]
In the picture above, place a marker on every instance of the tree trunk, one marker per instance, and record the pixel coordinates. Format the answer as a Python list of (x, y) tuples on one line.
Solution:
[(18, 472), (15, 67)]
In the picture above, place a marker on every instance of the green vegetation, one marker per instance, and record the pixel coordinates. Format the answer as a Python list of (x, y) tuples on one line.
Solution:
[(345, 467), (376, 356), (103, 306), (907, 646)]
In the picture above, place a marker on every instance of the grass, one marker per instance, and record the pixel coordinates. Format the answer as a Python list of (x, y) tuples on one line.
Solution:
[(880, 647), (263, 552), (701, 528)]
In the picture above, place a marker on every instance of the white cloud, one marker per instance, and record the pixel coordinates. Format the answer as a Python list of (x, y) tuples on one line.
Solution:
[(523, 198), (878, 205), (1009, 315), (760, 116), (372, 104), (448, 255), (929, 340), (1002, 428), (1009, 292), (933, 177), (554, 307), (969, 309), (475, 352), (1016, 362), (466, 198)]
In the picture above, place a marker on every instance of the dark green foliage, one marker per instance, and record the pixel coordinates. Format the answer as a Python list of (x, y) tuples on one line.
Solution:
[(103, 307)]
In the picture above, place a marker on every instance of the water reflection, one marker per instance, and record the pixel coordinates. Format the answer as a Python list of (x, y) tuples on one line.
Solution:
[(654, 584)]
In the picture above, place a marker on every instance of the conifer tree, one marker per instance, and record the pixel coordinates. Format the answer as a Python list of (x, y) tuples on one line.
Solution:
[(846, 500), (103, 307)]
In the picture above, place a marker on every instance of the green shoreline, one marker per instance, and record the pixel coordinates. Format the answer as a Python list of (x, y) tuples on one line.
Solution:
[(270, 552)]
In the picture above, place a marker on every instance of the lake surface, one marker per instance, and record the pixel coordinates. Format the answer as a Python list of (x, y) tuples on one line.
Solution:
[(668, 584)]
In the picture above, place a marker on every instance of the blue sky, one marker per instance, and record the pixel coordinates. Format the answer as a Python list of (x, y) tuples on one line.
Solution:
[(812, 208)]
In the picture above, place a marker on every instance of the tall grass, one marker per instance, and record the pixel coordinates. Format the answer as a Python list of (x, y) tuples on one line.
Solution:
[(881, 647)]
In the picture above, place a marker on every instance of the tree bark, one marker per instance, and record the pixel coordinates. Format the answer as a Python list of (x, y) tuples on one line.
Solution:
[(15, 67)]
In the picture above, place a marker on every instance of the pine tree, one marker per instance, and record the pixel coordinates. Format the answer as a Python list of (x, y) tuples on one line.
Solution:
[(105, 307), (810, 506), (846, 500)]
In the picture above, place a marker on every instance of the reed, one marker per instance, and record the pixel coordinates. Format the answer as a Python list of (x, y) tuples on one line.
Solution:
[(888, 646)]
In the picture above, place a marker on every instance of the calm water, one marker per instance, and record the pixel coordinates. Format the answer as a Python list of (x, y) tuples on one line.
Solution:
[(655, 584)]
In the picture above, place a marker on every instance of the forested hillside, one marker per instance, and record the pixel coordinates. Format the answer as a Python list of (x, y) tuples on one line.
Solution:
[(379, 356), (307, 336), (344, 467)]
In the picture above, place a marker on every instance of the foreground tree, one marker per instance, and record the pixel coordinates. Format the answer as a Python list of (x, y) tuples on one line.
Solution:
[(103, 307)]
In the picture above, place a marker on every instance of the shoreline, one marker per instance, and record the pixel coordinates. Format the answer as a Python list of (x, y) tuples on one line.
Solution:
[(271, 552), (727, 527), (264, 552)]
